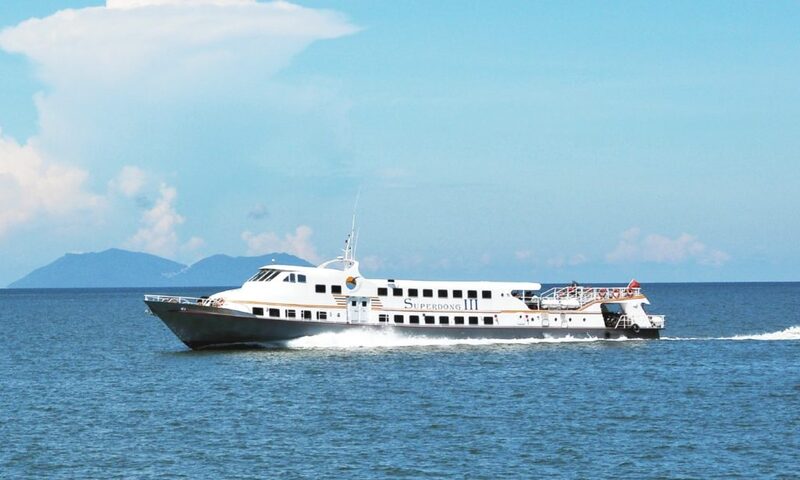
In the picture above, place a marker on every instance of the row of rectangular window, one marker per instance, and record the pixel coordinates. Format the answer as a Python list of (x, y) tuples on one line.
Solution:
[(428, 293), (319, 288), (383, 318), (431, 320), (276, 313)]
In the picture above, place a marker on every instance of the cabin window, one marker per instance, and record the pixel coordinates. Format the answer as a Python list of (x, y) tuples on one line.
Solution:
[(398, 319), (322, 315), (444, 320), (291, 314), (473, 320), (258, 311), (382, 291), (429, 319), (488, 320), (458, 320), (363, 303), (413, 292), (383, 318), (442, 293), (458, 294), (301, 279), (305, 315), (486, 294), (353, 303), (264, 275), (413, 319), (427, 292), (397, 292), (336, 289), (274, 313), (319, 288), (291, 278), (472, 294)]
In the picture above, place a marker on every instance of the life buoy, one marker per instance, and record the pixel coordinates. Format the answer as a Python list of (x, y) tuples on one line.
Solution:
[(635, 328), (628, 292), (615, 293), (602, 293)]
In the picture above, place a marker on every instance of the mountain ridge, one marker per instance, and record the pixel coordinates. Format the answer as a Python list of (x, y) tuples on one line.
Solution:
[(116, 267)]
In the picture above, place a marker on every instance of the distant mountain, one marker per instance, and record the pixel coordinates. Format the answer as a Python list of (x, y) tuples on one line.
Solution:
[(219, 270), (121, 268)]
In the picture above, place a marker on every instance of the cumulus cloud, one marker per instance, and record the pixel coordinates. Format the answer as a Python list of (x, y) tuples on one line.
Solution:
[(298, 243), (168, 42), (145, 82), (258, 212), (182, 3), (655, 248), (523, 254), (158, 232), (130, 181), (563, 261), (372, 262), (31, 186)]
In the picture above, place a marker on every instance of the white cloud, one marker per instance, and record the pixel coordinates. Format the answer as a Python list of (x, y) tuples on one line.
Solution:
[(655, 248), (298, 244), (372, 262), (562, 261), (175, 44), (181, 3), (258, 212), (31, 186), (158, 234), (144, 82), (129, 182), (523, 254)]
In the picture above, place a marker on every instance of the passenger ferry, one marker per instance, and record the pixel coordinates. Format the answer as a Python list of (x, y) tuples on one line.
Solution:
[(283, 302)]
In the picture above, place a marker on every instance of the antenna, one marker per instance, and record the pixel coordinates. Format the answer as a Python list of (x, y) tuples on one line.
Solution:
[(352, 238)]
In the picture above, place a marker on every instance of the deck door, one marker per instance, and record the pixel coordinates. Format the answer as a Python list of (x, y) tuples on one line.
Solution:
[(358, 309)]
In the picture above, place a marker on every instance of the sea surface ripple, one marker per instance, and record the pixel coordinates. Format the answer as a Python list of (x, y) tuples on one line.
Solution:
[(92, 387)]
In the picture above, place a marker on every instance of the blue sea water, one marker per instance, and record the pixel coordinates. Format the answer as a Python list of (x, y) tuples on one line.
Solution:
[(92, 387)]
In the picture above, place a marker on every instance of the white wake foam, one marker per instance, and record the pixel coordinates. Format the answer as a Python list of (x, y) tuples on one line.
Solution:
[(791, 333), (369, 339), (354, 339)]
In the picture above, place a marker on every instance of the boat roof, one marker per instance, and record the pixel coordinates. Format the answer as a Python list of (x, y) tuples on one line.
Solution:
[(401, 283)]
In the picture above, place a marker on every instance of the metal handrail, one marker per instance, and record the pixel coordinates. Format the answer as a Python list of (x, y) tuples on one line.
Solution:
[(180, 300), (585, 295)]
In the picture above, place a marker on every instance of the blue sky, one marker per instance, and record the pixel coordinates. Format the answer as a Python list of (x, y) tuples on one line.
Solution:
[(500, 140)]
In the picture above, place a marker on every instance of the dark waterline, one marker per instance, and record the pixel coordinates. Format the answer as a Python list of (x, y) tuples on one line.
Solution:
[(94, 387)]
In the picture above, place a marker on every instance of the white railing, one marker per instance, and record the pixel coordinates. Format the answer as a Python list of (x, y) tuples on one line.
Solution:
[(206, 302), (575, 296)]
